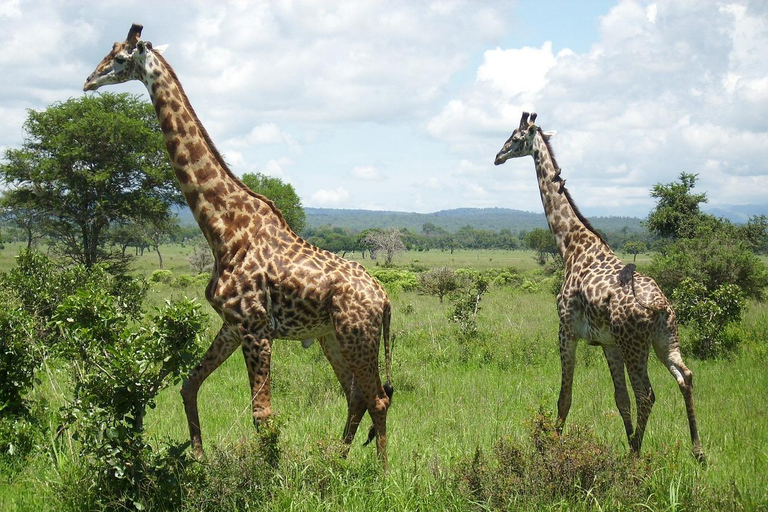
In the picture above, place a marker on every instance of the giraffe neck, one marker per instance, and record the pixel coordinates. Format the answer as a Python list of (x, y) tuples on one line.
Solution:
[(572, 232), (213, 192)]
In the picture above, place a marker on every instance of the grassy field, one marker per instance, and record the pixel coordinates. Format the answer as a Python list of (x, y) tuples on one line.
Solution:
[(455, 400)]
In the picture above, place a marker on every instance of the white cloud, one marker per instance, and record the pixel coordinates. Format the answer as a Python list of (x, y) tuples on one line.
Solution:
[(276, 167), (517, 71), (668, 87), (335, 197), (367, 172)]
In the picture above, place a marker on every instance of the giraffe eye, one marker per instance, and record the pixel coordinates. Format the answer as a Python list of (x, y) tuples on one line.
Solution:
[(120, 60)]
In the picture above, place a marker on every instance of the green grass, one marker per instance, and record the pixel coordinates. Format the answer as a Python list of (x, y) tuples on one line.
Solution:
[(453, 397)]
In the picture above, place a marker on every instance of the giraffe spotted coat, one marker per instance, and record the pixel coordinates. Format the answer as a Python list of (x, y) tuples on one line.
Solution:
[(267, 282), (602, 300)]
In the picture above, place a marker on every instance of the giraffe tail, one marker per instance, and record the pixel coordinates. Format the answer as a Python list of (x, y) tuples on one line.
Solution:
[(388, 388), (627, 277)]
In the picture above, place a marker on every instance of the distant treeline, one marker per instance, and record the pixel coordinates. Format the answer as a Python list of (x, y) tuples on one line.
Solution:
[(493, 219)]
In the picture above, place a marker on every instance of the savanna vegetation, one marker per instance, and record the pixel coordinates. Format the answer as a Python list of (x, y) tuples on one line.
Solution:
[(470, 427), (93, 353)]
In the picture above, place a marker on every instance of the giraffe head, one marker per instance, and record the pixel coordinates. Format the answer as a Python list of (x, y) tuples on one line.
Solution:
[(520, 143), (125, 62)]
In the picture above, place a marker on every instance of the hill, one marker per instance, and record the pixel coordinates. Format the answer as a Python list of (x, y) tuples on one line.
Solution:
[(493, 219)]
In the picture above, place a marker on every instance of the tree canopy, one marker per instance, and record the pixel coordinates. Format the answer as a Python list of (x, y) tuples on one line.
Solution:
[(677, 211), (85, 164), (283, 195)]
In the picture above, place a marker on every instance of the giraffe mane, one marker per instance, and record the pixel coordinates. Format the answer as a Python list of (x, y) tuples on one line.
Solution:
[(563, 190), (217, 155)]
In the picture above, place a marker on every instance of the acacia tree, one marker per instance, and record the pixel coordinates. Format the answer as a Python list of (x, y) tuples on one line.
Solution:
[(543, 242), (283, 195), (85, 164), (387, 241)]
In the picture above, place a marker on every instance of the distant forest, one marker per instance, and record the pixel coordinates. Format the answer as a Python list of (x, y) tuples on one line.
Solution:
[(493, 219)]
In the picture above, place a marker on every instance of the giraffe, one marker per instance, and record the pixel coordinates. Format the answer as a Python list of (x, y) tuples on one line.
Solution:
[(267, 282), (602, 300)]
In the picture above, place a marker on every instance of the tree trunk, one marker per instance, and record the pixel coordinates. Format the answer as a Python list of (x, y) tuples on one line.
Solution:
[(160, 256)]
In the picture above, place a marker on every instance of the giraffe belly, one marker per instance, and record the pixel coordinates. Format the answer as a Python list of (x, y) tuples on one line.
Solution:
[(587, 329)]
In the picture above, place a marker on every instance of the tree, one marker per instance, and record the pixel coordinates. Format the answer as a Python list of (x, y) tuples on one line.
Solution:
[(541, 241), (85, 164), (201, 259), (707, 266), (677, 210), (387, 241), (635, 247), (283, 195)]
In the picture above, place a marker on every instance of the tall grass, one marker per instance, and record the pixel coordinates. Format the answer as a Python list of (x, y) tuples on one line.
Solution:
[(457, 402)]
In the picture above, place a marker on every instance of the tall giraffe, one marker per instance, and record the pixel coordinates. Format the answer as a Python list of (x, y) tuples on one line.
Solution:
[(602, 300), (267, 282)]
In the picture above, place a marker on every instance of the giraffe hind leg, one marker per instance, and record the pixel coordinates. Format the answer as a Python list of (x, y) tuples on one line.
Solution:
[(223, 346), (667, 350), (257, 352), (363, 363), (356, 406)]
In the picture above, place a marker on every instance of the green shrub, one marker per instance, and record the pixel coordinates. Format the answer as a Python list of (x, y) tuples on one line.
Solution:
[(571, 467), (183, 281), (466, 304), (709, 314), (507, 278), (395, 278), (161, 276), (118, 368), (20, 355), (240, 477), (438, 281)]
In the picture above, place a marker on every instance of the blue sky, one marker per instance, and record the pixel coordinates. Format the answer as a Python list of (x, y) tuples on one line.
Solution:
[(402, 105)]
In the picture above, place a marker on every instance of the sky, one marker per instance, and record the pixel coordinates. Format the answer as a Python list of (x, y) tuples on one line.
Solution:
[(403, 104)]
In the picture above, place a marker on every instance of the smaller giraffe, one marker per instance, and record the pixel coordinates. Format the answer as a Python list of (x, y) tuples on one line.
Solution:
[(602, 300)]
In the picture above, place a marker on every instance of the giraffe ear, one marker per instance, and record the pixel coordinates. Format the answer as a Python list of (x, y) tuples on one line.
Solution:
[(160, 49), (548, 135)]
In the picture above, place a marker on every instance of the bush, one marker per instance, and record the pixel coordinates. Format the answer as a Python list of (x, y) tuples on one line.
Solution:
[(20, 355), (709, 314), (395, 278), (571, 467), (161, 276), (236, 478), (183, 281), (118, 368), (466, 304), (438, 281)]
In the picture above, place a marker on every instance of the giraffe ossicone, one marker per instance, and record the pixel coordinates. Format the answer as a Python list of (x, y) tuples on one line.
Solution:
[(602, 300), (267, 282)]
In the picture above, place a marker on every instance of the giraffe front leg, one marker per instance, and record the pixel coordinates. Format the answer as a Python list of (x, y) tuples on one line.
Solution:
[(223, 346), (620, 394), (257, 352), (567, 364)]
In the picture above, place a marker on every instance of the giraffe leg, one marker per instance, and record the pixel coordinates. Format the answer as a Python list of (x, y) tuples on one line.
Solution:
[(667, 349), (362, 357), (620, 394), (637, 367), (567, 364), (356, 406), (257, 352), (223, 346)]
